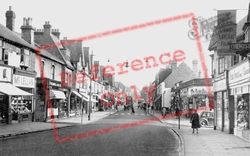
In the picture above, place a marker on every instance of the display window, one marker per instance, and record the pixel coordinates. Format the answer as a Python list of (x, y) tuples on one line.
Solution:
[(243, 113), (21, 104)]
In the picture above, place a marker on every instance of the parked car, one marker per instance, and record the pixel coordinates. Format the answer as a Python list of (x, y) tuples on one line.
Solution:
[(207, 118)]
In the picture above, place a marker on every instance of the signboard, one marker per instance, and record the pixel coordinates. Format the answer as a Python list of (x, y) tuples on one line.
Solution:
[(226, 30), (5, 74), (239, 73), (240, 46), (220, 85), (198, 92), (56, 84), (23, 81)]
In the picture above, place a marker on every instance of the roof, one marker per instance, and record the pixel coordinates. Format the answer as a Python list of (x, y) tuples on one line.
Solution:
[(55, 50), (239, 31), (75, 46), (181, 73), (13, 36)]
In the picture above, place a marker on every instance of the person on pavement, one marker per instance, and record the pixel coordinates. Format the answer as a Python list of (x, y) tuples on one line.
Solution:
[(132, 109), (194, 120)]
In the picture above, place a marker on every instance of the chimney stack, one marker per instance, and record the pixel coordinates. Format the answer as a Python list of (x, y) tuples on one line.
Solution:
[(56, 33), (173, 65), (10, 19), (47, 28), (28, 30), (195, 66)]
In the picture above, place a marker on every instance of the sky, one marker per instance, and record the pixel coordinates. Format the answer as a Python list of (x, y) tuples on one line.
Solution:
[(79, 18)]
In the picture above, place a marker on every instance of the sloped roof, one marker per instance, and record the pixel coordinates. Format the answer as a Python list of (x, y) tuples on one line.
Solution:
[(181, 73), (239, 31), (14, 37), (75, 47)]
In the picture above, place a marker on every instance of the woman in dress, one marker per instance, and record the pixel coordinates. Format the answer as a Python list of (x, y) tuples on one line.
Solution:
[(195, 121)]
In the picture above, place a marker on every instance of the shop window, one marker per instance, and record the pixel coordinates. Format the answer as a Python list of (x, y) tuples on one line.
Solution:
[(243, 113), (25, 58), (21, 105)]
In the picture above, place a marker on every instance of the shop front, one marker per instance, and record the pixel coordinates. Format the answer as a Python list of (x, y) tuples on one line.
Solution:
[(239, 84), (222, 115), (50, 101), (76, 103), (24, 105), (14, 102), (185, 102)]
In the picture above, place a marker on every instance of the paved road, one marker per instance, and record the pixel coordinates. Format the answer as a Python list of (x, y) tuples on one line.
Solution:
[(152, 138)]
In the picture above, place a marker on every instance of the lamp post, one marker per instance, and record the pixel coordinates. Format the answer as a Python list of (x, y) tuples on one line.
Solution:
[(177, 101), (90, 85)]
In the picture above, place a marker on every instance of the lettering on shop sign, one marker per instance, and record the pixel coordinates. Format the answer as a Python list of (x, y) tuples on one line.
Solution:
[(198, 92), (55, 84), (23, 81), (235, 74)]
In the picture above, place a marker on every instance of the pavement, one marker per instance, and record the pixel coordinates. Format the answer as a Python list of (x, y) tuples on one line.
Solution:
[(208, 142), (26, 127)]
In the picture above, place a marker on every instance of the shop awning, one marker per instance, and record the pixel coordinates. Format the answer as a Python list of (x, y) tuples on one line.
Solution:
[(86, 97), (9, 89), (77, 94), (56, 94)]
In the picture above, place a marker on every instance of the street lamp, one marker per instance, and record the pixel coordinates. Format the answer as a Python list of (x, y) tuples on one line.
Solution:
[(178, 101), (90, 86)]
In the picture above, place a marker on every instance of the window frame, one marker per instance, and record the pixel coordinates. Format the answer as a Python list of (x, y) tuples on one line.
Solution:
[(24, 56), (53, 70)]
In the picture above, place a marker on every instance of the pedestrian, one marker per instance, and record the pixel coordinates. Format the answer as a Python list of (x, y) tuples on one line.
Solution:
[(132, 108), (194, 120)]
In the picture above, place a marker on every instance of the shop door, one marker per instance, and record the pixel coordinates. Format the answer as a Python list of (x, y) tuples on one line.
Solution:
[(231, 114), (3, 109)]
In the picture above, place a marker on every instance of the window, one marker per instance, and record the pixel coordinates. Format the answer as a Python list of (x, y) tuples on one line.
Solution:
[(2, 46), (221, 64), (236, 59), (53, 71), (25, 58), (43, 65)]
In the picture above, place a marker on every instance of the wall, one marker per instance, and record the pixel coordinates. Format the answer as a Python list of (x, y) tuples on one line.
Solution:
[(47, 68)]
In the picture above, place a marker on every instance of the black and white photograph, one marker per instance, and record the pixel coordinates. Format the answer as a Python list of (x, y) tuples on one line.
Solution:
[(124, 78)]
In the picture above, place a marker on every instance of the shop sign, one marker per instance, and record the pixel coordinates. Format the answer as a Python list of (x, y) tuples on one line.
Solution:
[(198, 92), (5, 74), (56, 84), (23, 81), (220, 85), (240, 46), (239, 73)]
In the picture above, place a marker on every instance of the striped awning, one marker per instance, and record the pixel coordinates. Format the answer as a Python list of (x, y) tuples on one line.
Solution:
[(56, 94)]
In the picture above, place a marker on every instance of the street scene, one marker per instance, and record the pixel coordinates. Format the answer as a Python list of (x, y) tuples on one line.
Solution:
[(77, 78)]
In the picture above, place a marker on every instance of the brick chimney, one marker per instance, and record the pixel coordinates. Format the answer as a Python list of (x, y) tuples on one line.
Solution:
[(173, 65), (47, 28), (28, 30), (56, 33), (195, 66), (10, 19)]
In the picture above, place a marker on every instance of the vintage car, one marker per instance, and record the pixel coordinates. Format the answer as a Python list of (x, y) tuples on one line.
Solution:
[(207, 118)]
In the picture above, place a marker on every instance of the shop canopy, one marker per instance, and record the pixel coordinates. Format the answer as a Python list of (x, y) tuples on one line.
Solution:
[(9, 89), (77, 94), (56, 94), (86, 97)]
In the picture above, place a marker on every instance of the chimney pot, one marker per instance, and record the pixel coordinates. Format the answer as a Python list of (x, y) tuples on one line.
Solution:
[(9, 8)]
